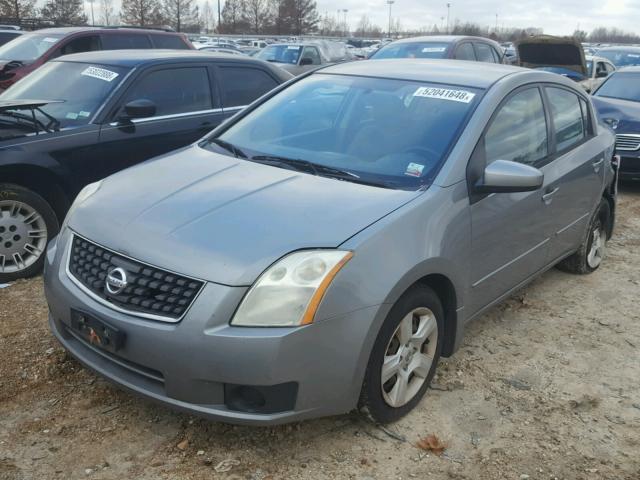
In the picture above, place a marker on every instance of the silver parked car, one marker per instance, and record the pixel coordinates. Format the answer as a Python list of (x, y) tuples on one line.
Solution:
[(298, 58), (322, 249)]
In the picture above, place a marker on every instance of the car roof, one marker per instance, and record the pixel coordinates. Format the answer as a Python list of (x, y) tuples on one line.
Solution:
[(70, 30), (133, 58), (619, 48), (451, 72), (441, 39)]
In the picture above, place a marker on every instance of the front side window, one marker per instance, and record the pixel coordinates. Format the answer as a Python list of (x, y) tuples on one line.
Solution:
[(484, 53), (391, 133), (518, 131), (313, 54), (89, 43), (567, 118), (622, 85), (281, 54), (412, 50), (465, 52), (241, 86), (174, 90), (28, 47), (79, 90)]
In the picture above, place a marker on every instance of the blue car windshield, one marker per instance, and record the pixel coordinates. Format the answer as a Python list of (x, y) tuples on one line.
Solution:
[(412, 50), (621, 58), (391, 133), (78, 90), (622, 85)]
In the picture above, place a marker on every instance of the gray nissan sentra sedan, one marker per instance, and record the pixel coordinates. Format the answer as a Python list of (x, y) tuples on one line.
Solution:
[(321, 250)]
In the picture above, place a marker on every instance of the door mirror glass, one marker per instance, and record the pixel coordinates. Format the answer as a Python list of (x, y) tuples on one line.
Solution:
[(503, 176), (306, 61), (142, 108)]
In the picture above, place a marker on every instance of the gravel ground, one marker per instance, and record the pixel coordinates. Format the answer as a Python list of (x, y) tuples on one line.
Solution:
[(546, 385)]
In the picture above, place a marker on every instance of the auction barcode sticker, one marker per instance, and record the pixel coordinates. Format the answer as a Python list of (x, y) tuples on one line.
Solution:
[(100, 73), (445, 94), (433, 49)]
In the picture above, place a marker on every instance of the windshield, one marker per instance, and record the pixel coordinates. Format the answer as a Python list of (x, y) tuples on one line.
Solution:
[(621, 58), (391, 133), (81, 87), (625, 86), (281, 54), (27, 48), (412, 50)]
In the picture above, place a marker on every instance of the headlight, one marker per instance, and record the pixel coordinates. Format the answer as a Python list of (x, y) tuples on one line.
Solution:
[(85, 193), (288, 293)]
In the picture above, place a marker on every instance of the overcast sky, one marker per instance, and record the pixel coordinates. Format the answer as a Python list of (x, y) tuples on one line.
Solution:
[(554, 16)]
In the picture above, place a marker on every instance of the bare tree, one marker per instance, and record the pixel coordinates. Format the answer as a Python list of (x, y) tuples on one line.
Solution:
[(142, 13), (233, 17), (109, 16), (179, 13), (17, 9), (65, 12), (259, 14)]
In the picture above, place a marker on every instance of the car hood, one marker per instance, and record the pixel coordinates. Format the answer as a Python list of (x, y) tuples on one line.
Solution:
[(225, 220), (626, 113), (549, 51)]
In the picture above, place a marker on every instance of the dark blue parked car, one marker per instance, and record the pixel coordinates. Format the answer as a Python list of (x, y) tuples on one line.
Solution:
[(85, 116), (618, 104)]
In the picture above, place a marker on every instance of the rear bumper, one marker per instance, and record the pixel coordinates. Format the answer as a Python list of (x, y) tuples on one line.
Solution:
[(195, 364)]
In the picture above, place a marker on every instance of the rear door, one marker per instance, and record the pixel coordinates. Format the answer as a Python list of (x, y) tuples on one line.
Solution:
[(187, 107), (240, 85), (510, 230), (578, 165)]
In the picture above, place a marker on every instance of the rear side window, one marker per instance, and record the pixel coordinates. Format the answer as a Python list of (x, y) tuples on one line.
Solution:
[(484, 53), (568, 121), (465, 52), (169, 41), (174, 90), (241, 85), (125, 41), (518, 132)]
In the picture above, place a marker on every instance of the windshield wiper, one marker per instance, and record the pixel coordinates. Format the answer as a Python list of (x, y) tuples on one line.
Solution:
[(230, 147), (53, 125)]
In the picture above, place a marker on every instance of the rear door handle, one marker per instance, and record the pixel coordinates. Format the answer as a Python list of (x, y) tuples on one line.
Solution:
[(547, 197), (597, 164)]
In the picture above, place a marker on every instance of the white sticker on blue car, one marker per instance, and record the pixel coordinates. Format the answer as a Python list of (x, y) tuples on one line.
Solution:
[(99, 73)]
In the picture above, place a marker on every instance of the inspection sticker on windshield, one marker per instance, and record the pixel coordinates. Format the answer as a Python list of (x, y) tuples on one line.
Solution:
[(100, 73), (290, 47), (50, 39), (433, 49), (414, 170), (445, 94)]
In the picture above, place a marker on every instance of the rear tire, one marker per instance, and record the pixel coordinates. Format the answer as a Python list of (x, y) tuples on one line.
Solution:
[(589, 256), (27, 222), (404, 356)]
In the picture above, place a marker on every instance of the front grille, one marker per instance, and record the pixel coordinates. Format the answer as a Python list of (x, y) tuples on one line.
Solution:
[(627, 142), (149, 292)]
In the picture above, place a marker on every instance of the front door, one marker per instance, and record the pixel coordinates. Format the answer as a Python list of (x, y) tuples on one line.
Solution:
[(186, 109), (510, 231)]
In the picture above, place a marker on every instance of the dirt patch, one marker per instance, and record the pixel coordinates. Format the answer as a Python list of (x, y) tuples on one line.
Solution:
[(545, 386)]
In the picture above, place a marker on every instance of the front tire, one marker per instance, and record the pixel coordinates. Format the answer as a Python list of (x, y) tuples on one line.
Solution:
[(589, 256), (404, 356), (27, 222)]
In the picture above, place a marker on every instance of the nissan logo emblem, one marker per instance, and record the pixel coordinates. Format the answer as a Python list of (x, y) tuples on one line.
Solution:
[(116, 281)]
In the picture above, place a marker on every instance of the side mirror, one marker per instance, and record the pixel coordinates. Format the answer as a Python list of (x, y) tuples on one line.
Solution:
[(503, 176), (141, 108), (306, 61), (602, 74)]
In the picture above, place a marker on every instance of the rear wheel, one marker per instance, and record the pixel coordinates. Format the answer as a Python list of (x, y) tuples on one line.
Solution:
[(27, 222), (404, 357), (589, 256)]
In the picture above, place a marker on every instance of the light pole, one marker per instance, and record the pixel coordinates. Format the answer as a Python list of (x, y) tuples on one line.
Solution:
[(390, 2), (496, 23), (448, 11), (346, 27)]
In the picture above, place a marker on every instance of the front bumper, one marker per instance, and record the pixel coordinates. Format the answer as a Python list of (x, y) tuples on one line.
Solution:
[(629, 165), (193, 365)]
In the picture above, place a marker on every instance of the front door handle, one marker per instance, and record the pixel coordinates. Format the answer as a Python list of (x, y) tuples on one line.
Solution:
[(597, 164), (547, 197)]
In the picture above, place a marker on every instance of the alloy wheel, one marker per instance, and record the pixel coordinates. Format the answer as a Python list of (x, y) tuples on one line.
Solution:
[(23, 236)]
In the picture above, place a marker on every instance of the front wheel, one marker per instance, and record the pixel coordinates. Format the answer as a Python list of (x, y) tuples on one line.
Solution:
[(404, 356), (27, 222)]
